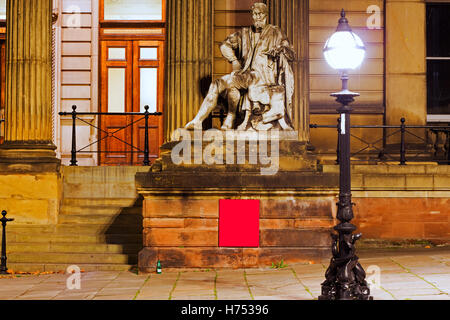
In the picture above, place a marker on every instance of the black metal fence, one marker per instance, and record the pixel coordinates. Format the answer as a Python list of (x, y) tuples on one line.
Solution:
[(1, 130), (109, 135), (434, 145)]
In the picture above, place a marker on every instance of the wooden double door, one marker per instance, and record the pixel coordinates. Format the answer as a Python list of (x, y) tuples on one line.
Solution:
[(132, 76)]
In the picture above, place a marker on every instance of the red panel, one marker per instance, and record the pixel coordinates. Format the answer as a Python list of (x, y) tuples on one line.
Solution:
[(239, 223)]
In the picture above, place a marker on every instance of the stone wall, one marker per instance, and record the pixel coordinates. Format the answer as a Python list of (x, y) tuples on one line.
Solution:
[(401, 202), (185, 233), (297, 212), (31, 198)]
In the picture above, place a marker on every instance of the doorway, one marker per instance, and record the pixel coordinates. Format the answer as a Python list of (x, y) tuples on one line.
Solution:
[(132, 76)]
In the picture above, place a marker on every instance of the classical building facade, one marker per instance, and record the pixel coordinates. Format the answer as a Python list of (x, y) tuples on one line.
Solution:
[(116, 56), (96, 66)]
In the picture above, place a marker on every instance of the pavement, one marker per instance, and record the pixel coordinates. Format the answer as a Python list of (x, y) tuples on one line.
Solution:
[(401, 274)]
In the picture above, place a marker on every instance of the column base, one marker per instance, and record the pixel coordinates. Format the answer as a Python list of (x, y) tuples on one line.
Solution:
[(29, 157)]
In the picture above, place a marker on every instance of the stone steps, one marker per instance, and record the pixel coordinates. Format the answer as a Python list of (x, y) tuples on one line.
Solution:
[(128, 220), (72, 258), (83, 238), (82, 247), (99, 209), (55, 267), (71, 231), (99, 226)]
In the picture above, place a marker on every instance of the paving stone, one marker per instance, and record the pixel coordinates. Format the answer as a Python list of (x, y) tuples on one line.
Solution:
[(85, 296), (230, 285), (38, 295), (158, 287), (11, 294), (425, 297), (115, 297), (194, 297), (192, 284), (407, 292), (429, 279)]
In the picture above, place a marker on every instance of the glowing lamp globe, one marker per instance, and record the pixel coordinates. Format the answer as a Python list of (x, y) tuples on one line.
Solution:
[(344, 50)]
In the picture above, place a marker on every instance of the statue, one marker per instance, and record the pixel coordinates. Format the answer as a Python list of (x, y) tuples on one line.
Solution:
[(262, 81)]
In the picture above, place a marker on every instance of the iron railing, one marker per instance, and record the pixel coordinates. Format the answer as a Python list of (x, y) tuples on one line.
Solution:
[(75, 116), (439, 148), (1, 130)]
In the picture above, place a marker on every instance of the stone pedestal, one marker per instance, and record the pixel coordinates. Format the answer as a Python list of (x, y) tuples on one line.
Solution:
[(181, 206)]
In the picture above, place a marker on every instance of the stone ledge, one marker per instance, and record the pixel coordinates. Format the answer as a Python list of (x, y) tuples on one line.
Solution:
[(201, 257)]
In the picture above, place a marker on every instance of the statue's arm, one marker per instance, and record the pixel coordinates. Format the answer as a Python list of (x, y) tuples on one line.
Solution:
[(230, 45), (287, 50), (283, 48)]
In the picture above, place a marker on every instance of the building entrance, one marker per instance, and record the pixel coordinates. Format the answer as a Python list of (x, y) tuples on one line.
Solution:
[(132, 75)]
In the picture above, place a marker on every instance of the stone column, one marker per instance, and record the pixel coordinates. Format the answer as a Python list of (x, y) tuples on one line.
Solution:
[(406, 89), (28, 110), (189, 60), (293, 19)]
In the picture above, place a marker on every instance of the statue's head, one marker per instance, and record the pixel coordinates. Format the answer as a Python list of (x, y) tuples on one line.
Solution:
[(259, 15)]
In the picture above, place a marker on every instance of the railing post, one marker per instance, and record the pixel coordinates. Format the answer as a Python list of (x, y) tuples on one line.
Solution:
[(402, 143), (73, 160), (146, 147), (1, 123), (4, 220)]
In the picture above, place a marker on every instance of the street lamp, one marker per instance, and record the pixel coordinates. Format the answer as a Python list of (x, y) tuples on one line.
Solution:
[(345, 277)]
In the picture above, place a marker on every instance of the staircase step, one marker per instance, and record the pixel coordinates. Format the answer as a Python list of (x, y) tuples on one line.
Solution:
[(78, 238), (119, 202), (74, 230), (107, 220), (24, 247), (72, 258), (99, 190), (99, 210), (95, 174), (54, 267)]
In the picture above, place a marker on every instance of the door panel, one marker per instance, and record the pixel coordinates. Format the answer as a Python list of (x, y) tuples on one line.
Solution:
[(148, 77), (131, 77), (116, 86)]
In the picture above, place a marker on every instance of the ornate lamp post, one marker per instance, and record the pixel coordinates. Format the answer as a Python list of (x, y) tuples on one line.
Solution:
[(345, 277)]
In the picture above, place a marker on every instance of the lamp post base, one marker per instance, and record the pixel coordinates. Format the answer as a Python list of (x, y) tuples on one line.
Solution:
[(345, 277)]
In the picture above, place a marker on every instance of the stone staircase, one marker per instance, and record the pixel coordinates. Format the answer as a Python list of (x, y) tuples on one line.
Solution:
[(99, 225)]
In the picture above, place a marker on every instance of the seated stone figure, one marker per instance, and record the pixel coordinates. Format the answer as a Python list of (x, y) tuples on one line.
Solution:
[(260, 56)]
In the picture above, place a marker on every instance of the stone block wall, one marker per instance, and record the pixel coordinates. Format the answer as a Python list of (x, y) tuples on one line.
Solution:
[(392, 202), (31, 198), (185, 233), (401, 202)]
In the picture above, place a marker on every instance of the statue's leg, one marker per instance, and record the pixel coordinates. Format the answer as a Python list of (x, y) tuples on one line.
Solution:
[(233, 95), (235, 82), (277, 107), (284, 125), (209, 103), (244, 124)]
